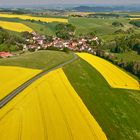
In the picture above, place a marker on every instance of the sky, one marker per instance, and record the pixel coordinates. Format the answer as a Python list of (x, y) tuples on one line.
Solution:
[(40, 2)]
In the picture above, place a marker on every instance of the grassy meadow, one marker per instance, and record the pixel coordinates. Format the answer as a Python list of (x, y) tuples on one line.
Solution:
[(42, 28), (100, 26), (128, 56), (37, 60)]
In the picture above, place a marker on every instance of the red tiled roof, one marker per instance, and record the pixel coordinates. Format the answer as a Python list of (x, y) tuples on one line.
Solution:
[(5, 54)]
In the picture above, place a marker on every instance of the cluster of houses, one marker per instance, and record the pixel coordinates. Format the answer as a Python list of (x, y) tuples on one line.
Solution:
[(38, 42)]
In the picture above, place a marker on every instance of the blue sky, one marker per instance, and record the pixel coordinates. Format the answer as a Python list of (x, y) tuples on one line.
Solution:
[(26, 2)]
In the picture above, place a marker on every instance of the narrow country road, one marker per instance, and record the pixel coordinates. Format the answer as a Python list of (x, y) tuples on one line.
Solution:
[(15, 92)]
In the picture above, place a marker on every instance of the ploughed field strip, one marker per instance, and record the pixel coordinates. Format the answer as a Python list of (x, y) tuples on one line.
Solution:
[(25, 17), (113, 75), (13, 26), (49, 109), (12, 77)]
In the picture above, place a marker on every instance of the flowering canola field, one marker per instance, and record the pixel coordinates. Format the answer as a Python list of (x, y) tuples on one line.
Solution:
[(49, 109), (135, 18), (43, 19), (13, 26), (12, 77), (113, 75)]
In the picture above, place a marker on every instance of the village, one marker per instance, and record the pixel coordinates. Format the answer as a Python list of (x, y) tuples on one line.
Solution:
[(39, 42), (36, 42)]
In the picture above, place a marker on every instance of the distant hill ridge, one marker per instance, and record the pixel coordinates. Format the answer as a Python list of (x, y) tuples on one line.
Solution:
[(106, 8)]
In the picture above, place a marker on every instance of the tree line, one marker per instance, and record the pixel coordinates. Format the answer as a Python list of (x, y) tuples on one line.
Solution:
[(124, 44), (132, 66)]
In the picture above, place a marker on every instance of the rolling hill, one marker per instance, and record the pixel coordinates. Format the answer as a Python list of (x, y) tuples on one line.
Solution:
[(115, 110)]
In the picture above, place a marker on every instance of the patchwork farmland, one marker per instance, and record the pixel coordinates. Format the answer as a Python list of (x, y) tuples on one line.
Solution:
[(21, 23), (52, 119), (76, 95), (28, 17), (66, 103)]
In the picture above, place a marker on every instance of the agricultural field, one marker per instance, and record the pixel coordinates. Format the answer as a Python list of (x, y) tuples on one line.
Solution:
[(17, 70), (116, 110), (28, 17), (12, 77), (47, 27), (58, 113), (113, 75), (134, 18), (133, 13), (42, 60), (88, 99), (100, 26), (69, 13), (128, 56), (39, 27), (103, 28), (13, 26)]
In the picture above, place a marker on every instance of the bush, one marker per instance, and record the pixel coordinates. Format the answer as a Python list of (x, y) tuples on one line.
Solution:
[(119, 31), (135, 22), (117, 24), (53, 48), (8, 48), (137, 48), (66, 50)]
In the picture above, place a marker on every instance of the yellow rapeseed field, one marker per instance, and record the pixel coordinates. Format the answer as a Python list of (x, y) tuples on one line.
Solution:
[(43, 19), (135, 18), (49, 109), (13, 26), (113, 75), (12, 77)]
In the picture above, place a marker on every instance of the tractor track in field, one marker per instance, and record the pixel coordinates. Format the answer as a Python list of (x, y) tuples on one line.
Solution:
[(19, 89)]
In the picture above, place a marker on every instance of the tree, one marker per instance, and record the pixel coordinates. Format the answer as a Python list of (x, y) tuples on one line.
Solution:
[(117, 24), (48, 38), (121, 45), (26, 34), (65, 31), (8, 41), (135, 22), (137, 48)]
